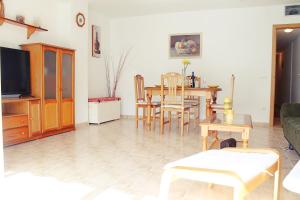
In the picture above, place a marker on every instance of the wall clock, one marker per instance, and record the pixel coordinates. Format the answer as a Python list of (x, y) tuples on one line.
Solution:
[(80, 20)]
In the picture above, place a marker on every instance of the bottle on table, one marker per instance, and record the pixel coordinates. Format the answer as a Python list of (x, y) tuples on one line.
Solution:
[(193, 80)]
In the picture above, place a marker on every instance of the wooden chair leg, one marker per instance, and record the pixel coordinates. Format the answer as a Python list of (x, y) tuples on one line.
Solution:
[(153, 116), (161, 121), (182, 123), (170, 118), (196, 115), (189, 117), (137, 116), (178, 119), (144, 116)]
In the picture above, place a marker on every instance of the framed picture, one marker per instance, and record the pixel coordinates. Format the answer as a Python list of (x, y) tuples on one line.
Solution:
[(96, 42), (185, 45), (292, 10)]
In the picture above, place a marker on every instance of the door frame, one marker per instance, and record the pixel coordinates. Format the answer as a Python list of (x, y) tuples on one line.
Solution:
[(276, 27)]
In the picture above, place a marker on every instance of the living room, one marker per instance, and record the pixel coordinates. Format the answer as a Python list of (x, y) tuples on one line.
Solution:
[(72, 155)]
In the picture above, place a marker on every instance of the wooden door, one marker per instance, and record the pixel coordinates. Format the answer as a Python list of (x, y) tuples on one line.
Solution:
[(67, 88), (34, 118), (51, 89)]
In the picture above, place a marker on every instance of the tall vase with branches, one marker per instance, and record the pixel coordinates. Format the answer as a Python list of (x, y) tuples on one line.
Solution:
[(114, 71)]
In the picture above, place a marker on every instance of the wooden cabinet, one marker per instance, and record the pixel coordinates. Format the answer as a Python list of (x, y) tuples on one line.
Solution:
[(35, 118), (52, 75), (51, 111), (21, 120), (51, 88), (15, 136)]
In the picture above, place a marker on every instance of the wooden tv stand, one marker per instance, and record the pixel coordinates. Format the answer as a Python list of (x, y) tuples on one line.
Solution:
[(52, 80), (21, 120)]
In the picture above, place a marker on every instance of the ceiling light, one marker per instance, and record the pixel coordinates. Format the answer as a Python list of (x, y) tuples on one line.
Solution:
[(288, 30)]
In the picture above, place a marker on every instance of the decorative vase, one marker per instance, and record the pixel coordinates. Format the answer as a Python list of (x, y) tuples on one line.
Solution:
[(20, 19), (227, 104)]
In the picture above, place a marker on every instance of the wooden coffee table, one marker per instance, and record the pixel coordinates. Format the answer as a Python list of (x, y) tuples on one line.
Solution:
[(219, 122)]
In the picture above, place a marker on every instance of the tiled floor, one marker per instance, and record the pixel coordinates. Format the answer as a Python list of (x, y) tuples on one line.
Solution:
[(117, 161)]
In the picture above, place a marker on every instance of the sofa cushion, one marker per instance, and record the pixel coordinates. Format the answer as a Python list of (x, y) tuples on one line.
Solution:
[(293, 124)]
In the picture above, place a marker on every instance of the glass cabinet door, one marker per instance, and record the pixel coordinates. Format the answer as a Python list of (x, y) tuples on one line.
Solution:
[(67, 76), (50, 79)]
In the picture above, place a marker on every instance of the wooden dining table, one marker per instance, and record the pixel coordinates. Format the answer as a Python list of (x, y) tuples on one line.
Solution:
[(209, 93)]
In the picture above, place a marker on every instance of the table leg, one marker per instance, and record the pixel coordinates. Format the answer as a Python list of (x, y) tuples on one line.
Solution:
[(245, 137), (276, 185), (165, 185), (204, 143), (208, 107), (204, 134), (238, 194)]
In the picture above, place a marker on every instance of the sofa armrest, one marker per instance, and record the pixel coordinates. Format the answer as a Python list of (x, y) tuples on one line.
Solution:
[(289, 110)]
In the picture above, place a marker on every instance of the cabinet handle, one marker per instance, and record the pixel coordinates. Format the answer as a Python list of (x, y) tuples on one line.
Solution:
[(23, 133)]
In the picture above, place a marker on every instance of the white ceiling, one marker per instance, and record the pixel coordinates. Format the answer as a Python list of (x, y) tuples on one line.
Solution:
[(284, 39), (125, 8)]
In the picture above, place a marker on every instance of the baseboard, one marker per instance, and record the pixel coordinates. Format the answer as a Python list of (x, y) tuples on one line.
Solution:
[(261, 124), (81, 125), (127, 116)]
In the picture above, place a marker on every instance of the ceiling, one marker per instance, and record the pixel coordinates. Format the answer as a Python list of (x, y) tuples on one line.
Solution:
[(126, 8), (284, 39)]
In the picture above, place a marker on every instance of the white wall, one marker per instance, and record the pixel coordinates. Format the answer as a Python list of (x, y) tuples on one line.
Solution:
[(79, 40), (59, 18), (235, 41), (97, 78)]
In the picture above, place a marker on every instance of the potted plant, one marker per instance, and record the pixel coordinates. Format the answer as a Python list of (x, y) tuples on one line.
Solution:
[(108, 108)]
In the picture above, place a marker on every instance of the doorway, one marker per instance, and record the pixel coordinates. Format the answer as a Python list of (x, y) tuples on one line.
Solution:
[(285, 85)]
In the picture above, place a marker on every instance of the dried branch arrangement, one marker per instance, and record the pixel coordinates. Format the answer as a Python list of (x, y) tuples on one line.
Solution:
[(115, 71)]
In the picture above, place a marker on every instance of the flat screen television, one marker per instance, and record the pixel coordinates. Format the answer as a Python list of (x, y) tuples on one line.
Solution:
[(15, 72)]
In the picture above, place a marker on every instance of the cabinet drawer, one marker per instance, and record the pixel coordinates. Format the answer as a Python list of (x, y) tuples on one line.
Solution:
[(15, 121), (15, 135)]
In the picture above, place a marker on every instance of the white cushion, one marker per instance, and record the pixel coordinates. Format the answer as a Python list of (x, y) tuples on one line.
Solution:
[(245, 165), (292, 180)]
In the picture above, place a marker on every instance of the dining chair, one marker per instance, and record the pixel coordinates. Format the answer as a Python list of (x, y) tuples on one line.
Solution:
[(172, 99), (192, 100), (216, 107), (140, 101)]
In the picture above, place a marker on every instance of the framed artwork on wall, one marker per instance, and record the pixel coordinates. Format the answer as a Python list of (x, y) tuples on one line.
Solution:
[(292, 10), (96, 42), (185, 45)]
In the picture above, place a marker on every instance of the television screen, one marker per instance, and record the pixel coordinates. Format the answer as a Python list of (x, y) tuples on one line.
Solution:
[(15, 72)]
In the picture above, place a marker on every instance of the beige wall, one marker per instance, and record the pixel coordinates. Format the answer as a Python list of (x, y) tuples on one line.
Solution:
[(97, 78), (237, 41), (59, 18)]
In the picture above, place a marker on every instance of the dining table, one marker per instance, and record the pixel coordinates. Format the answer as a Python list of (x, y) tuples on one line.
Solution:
[(210, 94)]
